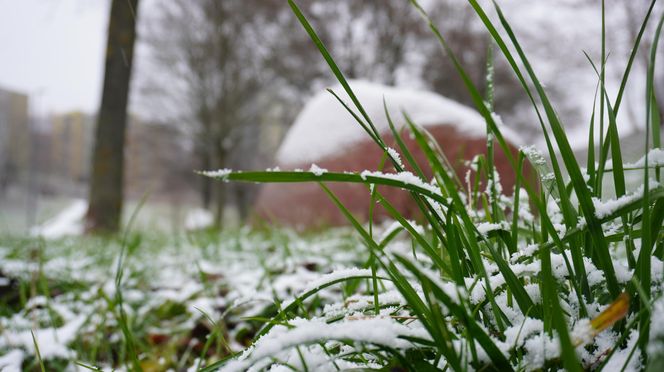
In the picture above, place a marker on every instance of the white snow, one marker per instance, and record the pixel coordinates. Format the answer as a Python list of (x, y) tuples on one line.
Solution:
[(405, 177), (655, 345), (583, 332), (534, 155), (605, 208), (197, 219), (67, 222), (219, 173), (381, 331), (329, 278), (394, 154), (315, 169), (52, 342), (655, 158), (12, 361), (485, 228), (324, 127)]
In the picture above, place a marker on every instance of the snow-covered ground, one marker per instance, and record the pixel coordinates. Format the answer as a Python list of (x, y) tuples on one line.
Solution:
[(67, 222), (170, 288), (199, 297)]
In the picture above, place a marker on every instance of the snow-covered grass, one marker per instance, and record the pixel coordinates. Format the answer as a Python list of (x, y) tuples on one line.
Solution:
[(554, 274), (197, 297), (561, 275)]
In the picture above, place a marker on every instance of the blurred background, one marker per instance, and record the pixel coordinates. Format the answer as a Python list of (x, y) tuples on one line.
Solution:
[(217, 84)]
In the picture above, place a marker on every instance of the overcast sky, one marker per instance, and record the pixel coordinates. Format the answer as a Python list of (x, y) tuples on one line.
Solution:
[(53, 51)]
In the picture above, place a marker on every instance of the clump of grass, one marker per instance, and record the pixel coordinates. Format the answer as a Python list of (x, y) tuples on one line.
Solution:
[(554, 276)]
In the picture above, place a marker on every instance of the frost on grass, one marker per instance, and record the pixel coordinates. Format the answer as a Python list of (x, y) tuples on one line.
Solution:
[(534, 155)]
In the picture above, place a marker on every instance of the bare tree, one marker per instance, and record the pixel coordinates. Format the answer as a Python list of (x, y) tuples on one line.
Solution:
[(106, 186), (222, 64)]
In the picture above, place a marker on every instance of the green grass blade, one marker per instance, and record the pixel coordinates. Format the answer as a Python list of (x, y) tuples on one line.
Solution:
[(578, 181), (554, 313), (330, 61), (37, 352), (431, 252), (387, 179), (628, 68), (292, 306), (643, 272), (500, 362), (402, 146), (614, 141), (402, 284)]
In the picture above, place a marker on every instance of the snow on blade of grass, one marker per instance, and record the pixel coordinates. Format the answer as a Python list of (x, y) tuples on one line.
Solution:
[(219, 173), (534, 155), (486, 227), (378, 331), (394, 154), (606, 208), (315, 169), (405, 177), (326, 279), (360, 303), (655, 159)]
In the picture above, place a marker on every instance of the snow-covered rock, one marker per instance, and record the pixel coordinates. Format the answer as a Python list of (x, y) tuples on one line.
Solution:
[(325, 133), (324, 128)]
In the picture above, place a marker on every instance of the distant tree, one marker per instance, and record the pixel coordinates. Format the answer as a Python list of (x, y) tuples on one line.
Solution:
[(226, 68), (106, 184)]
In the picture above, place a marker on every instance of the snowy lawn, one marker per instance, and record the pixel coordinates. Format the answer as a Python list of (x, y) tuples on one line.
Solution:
[(189, 297)]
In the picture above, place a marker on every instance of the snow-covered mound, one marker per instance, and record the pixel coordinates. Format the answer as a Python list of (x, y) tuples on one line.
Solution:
[(325, 128)]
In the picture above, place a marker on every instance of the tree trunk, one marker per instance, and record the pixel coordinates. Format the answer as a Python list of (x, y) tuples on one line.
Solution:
[(219, 187), (242, 201), (106, 184), (206, 182), (220, 203)]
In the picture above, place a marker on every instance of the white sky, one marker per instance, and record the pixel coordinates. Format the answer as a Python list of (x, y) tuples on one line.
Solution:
[(53, 51)]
